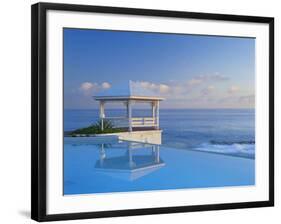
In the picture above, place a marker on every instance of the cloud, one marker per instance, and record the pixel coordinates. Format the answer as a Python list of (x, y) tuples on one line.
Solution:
[(164, 88), (105, 85), (198, 92), (159, 88), (233, 89), (171, 89), (205, 79), (207, 91), (247, 101), (147, 85), (210, 78), (89, 87), (218, 77), (250, 99), (179, 89), (85, 86), (194, 81)]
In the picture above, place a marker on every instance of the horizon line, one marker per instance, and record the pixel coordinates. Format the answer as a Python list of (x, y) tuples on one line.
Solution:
[(246, 108)]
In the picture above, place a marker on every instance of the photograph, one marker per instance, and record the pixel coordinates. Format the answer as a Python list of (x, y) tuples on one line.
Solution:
[(156, 111), (146, 111), (140, 112)]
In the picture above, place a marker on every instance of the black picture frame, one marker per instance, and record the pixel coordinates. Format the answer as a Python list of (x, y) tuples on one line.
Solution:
[(38, 108)]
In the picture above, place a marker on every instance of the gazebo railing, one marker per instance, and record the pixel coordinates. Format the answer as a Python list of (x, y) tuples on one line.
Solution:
[(118, 122), (135, 121), (143, 122)]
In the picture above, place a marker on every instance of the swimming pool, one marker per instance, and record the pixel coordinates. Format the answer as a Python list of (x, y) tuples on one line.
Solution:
[(107, 166)]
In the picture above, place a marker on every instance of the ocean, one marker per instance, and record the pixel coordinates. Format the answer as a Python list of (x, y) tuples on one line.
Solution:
[(200, 149), (224, 131)]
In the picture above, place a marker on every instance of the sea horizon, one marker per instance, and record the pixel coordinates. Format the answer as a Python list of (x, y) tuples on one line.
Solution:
[(201, 134), (164, 108), (225, 131)]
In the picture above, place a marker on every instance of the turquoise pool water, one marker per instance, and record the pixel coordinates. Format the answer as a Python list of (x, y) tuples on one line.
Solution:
[(92, 166)]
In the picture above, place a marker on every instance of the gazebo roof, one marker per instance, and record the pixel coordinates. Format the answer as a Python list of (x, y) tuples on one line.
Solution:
[(119, 167), (131, 91)]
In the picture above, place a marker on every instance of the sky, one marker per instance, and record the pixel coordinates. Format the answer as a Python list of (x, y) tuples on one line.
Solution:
[(189, 71)]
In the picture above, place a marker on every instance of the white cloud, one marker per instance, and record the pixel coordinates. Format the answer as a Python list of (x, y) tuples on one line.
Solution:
[(194, 82), (218, 77), (164, 88), (247, 101), (89, 87), (207, 91), (147, 85), (197, 86), (250, 99), (233, 89), (210, 78), (180, 89), (154, 87), (85, 86), (105, 85), (204, 79)]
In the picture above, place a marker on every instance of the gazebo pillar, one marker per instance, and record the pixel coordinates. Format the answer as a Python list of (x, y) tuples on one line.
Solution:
[(102, 154), (102, 113), (157, 113), (157, 154), (130, 155), (153, 111), (129, 115)]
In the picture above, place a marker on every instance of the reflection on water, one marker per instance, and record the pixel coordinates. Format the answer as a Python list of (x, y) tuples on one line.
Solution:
[(94, 165), (136, 160), (224, 131)]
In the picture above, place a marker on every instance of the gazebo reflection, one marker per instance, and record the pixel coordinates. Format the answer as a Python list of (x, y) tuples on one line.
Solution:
[(132, 164)]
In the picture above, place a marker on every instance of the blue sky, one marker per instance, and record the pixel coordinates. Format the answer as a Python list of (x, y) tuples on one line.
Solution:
[(190, 71)]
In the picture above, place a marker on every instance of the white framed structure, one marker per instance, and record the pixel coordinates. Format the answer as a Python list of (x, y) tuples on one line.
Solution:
[(48, 201), (129, 95), (127, 166)]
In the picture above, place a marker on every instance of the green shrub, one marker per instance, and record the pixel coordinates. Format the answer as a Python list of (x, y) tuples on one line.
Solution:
[(107, 124), (108, 127)]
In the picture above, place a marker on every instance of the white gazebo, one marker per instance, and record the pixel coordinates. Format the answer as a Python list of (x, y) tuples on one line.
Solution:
[(131, 94), (129, 165)]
